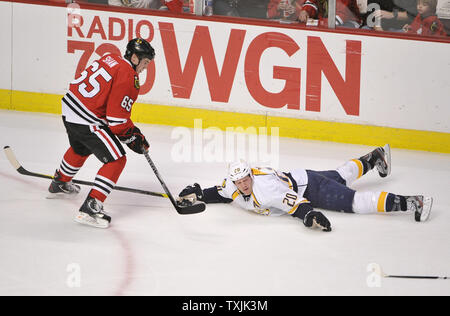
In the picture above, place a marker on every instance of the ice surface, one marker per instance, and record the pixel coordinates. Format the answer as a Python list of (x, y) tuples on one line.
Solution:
[(151, 250)]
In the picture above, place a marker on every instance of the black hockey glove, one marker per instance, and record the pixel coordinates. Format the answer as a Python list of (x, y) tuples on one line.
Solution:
[(192, 189), (317, 219), (135, 140)]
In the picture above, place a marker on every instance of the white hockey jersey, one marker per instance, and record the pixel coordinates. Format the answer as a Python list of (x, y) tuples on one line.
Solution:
[(273, 192)]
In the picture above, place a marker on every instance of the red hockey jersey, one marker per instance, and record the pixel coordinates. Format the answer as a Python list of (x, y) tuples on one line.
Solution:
[(103, 94), (273, 12), (174, 5), (427, 26), (346, 10), (272, 9)]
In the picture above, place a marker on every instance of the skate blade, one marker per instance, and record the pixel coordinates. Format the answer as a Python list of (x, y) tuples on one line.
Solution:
[(61, 196), (85, 219), (426, 210), (387, 157)]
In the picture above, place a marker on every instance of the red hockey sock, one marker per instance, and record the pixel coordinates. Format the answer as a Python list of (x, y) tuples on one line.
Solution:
[(70, 165), (106, 179)]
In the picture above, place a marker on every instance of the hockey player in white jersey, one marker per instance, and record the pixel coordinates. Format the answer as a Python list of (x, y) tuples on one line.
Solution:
[(270, 192)]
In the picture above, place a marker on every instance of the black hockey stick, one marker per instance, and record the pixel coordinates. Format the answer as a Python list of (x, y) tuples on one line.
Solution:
[(384, 275), (184, 210), (417, 277), (15, 163)]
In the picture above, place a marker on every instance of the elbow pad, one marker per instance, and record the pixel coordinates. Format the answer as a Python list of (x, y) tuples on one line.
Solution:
[(302, 209)]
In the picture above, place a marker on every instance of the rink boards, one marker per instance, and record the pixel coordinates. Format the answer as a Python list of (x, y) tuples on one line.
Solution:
[(309, 83)]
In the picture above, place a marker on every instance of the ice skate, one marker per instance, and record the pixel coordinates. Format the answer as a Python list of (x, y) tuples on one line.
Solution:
[(60, 189), (381, 159), (383, 163), (91, 213), (420, 205)]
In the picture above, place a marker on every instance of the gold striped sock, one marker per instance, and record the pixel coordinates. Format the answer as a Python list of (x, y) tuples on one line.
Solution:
[(381, 205)]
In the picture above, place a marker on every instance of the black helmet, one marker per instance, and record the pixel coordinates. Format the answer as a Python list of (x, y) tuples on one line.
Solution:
[(141, 48)]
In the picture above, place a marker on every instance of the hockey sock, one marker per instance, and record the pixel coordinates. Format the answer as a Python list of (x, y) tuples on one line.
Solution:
[(389, 202), (70, 165), (381, 202), (356, 168), (106, 179), (351, 170)]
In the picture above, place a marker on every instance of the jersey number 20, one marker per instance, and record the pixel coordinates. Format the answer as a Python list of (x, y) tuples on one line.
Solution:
[(290, 199)]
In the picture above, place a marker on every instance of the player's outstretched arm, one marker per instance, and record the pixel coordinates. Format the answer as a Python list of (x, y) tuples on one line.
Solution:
[(210, 195), (312, 218)]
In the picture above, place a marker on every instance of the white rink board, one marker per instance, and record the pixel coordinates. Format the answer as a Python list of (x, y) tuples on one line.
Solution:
[(5, 36), (394, 91)]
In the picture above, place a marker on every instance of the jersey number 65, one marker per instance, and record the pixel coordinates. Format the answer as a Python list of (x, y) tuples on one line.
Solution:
[(127, 103)]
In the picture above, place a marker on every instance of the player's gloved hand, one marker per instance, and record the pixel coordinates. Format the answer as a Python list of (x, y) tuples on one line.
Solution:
[(192, 192), (313, 218), (135, 140)]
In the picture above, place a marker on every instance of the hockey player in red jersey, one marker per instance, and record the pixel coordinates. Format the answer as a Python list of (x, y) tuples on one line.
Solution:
[(96, 112)]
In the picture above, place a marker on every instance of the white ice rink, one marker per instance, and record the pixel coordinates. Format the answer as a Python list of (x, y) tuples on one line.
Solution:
[(151, 250)]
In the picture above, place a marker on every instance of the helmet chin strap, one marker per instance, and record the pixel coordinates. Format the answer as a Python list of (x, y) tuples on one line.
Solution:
[(135, 66), (131, 62), (245, 196)]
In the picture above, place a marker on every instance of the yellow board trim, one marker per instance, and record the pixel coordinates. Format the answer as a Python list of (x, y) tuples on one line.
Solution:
[(288, 127), (381, 207)]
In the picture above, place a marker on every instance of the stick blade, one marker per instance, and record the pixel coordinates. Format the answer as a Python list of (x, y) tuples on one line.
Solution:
[(195, 208), (11, 157)]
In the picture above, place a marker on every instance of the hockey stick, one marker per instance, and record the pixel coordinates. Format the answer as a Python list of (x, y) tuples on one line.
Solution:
[(417, 277), (384, 275), (15, 163), (184, 210)]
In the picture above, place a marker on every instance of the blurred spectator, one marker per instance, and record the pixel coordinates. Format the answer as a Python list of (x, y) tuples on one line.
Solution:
[(242, 8), (426, 22), (172, 5), (347, 12), (284, 9), (392, 14), (139, 4)]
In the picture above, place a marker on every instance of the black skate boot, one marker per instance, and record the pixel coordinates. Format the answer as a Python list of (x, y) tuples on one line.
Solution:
[(59, 188), (91, 213), (420, 205), (379, 158)]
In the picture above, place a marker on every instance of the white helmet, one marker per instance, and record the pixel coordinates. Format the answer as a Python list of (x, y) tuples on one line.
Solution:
[(238, 170)]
